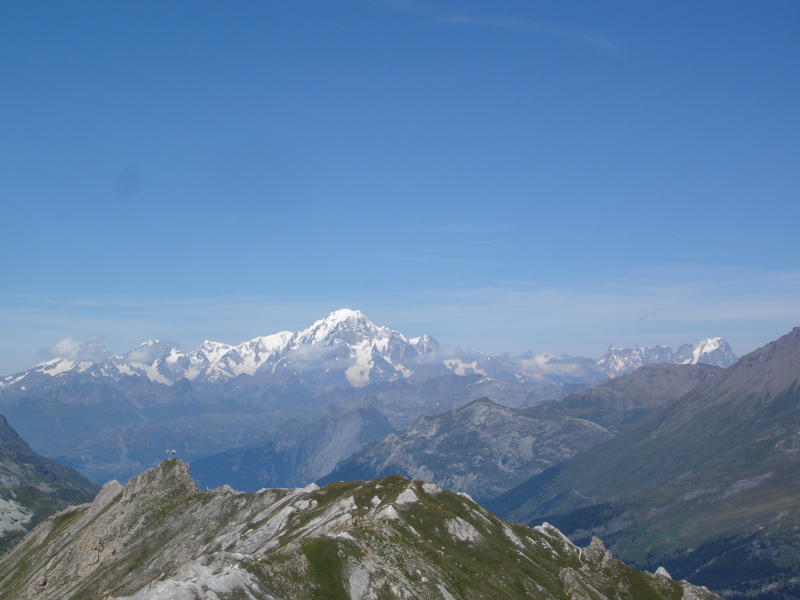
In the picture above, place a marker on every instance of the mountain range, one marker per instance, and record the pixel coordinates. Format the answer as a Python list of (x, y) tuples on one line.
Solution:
[(485, 449), (113, 416), (347, 349), (160, 537), (481, 449), (707, 484), (691, 466), (621, 402), (712, 351)]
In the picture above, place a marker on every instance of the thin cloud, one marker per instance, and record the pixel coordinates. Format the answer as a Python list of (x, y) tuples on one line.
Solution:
[(577, 35), (91, 349)]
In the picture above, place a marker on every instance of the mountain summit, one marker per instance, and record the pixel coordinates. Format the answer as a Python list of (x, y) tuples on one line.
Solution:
[(621, 361), (345, 349)]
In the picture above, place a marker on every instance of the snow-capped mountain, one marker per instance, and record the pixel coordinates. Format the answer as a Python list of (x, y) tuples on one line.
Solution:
[(621, 361), (345, 349)]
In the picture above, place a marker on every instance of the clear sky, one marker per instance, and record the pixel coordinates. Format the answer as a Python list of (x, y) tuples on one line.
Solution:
[(505, 176)]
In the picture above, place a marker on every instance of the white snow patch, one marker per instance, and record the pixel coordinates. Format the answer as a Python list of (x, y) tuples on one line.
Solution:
[(445, 594), (57, 365), (459, 367), (703, 347), (151, 372), (746, 484), (11, 379), (358, 373)]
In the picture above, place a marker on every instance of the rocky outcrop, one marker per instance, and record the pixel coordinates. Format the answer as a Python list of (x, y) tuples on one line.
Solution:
[(160, 537), (482, 449)]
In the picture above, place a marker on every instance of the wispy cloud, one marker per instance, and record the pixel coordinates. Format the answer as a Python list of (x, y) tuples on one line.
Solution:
[(90, 349), (576, 35)]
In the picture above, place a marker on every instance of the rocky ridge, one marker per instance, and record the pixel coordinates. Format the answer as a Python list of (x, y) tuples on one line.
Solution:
[(708, 482), (621, 402), (162, 538), (482, 449)]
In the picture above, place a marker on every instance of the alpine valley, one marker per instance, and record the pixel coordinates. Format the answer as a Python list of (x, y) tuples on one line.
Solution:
[(683, 462), (33, 487), (114, 416), (706, 485)]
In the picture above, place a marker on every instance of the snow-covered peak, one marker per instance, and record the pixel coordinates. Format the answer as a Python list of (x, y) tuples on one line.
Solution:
[(212, 351), (702, 347), (711, 351), (62, 365), (343, 314), (424, 344), (149, 352), (341, 326), (267, 344), (343, 348)]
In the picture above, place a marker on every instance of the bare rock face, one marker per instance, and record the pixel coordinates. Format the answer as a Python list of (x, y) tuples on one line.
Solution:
[(482, 449), (160, 537)]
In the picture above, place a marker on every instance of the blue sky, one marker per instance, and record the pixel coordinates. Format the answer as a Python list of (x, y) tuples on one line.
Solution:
[(505, 176)]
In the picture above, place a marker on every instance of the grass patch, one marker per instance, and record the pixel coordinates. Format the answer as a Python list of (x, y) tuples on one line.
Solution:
[(325, 568)]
